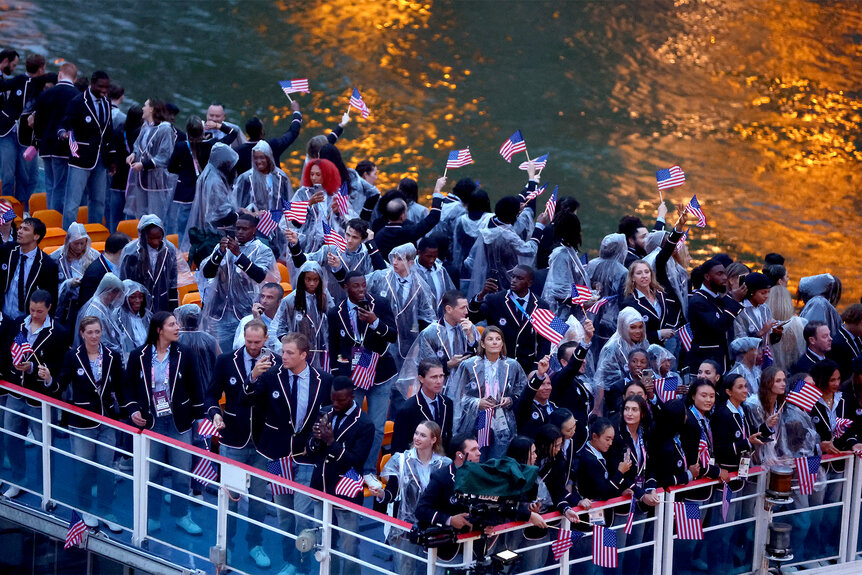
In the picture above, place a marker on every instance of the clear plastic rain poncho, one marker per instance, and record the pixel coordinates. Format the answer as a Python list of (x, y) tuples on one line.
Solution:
[(795, 435), (662, 362), (213, 203), (476, 378), (71, 271), (608, 274), (358, 260), (411, 302), (151, 190), (310, 319), (361, 190), (751, 320), (739, 347), (413, 477), (564, 269), (156, 270), (104, 304), (203, 346), (311, 232), (133, 325), (614, 357), (817, 292), (495, 253), (464, 233), (255, 190)]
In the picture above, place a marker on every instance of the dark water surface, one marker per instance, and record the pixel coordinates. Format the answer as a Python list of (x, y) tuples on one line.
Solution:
[(758, 101)]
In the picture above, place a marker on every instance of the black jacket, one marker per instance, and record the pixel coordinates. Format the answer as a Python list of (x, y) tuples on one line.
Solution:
[(87, 392), (278, 145), (182, 163), (349, 451), (641, 468), (50, 108), (91, 278), (49, 347), (845, 347), (568, 391), (711, 320), (669, 317), (342, 339), (414, 411), (230, 380), (730, 433), (394, 235), (528, 415), (820, 419), (690, 442), (44, 274), (186, 392), (805, 362), (93, 136)]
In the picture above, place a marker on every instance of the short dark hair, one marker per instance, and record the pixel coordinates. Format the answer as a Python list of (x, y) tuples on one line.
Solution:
[(427, 243), (38, 227), (567, 228), (156, 323), (564, 348), (599, 425), (9, 54), (629, 226), (692, 390), (773, 258), (463, 188), (34, 63), (341, 383), (506, 209), (637, 351), (300, 340), (821, 372), (478, 201), (274, 285), (451, 298), (457, 443), (99, 75), (41, 296), (360, 225), (247, 217), (852, 314), (365, 167), (116, 242), (116, 91), (560, 416), (427, 364), (568, 204), (353, 274), (810, 330), (254, 128), (255, 324), (409, 188), (775, 272)]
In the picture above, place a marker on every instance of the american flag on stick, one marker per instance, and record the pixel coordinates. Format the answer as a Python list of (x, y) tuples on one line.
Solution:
[(806, 469), (535, 193), (20, 348), (333, 238), (357, 102), (291, 86), (483, 427), (598, 305), (73, 145), (512, 146), (565, 540), (670, 177), (208, 429), (688, 524), (804, 395), (551, 206), (350, 484), (581, 294), (75, 533), (204, 472), (548, 325), (366, 369), (841, 426), (295, 211), (268, 221), (342, 199), (459, 159), (694, 209), (283, 467), (666, 388), (631, 518), (686, 336), (539, 163), (604, 547)]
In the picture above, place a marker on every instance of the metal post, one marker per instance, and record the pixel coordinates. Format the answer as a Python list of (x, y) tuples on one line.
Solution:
[(140, 473), (46, 454), (847, 508), (221, 518), (658, 530), (667, 535), (326, 538), (432, 561), (856, 500), (763, 515), (467, 553)]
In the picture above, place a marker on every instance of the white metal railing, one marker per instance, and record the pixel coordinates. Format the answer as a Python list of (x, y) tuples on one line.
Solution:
[(656, 528)]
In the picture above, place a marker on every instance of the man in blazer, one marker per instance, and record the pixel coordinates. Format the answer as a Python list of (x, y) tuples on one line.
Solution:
[(49, 343), (24, 268), (502, 309), (50, 108), (711, 313), (361, 323), (534, 405), (428, 404), (452, 339), (819, 344), (87, 122)]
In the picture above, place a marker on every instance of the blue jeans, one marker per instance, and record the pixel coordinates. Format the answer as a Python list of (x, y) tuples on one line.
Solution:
[(178, 217), (158, 474), (81, 184), (256, 509), (56, 173), (299, 502), (378, 408), (18, 424), (117, 201), (17, 175), (90, 474)]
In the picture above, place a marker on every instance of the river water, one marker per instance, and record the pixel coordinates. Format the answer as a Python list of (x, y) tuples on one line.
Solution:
[(759, 102)]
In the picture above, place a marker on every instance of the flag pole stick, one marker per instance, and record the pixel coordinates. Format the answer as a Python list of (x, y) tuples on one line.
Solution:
[(446, 169), (289, 99), (527, 153), (660, 196)]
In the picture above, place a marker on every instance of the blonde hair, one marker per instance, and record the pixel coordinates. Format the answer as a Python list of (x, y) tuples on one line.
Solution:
[(435, 432), (780, 302), (630, 279)]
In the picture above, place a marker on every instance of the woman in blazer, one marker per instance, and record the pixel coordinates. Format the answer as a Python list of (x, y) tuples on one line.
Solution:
[(661, 313)]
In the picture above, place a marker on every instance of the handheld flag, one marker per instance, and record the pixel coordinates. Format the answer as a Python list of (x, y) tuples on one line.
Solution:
[(804, 395), (342, 199), (539, 162), (548, 325), (581, 294), (483, 427), (726, 496), (204, 472), (283, 467), (806, 469), (7, 212), (295, 211), (688, 525), (73, 145), (75, 533), (670, 178), (459, 159), (20, 348), (694, 209), (208, 429), (604, 547), (686, 337), (291, 86), (841, 426), (681, 241), (366, 368), (631, 518), (551, 206), (565, 540), (350, 484), (768, 358), (268, 221), (357, 102), (703, 450), (598, 305), (512, 146), (535, 193), (333, 238), (666, 388)]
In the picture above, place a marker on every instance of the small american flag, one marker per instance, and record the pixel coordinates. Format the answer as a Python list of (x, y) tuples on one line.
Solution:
[(565, 540), (459, 158), (483, 427), (73, 145), (670, 178), (548, 325), (551, 206), (703, 450), (598, 305), (630, 521), (342, 199), (268, 221), (688, 525), (841, 426), (604, 547), (681, 241), (686, 337), (20, 348), (295, 211), (298, 85), (581, 294), (208, 429), (7, 212), (283, 467), (768, 358), (204, 472), (804, 395), (350, 484), (694, 209), (806, 468), (333, 238), (535, 193), (512, 146), (75, 533), (366, 369), (666, 388), (539, 162), (726, 496), (357, 102)]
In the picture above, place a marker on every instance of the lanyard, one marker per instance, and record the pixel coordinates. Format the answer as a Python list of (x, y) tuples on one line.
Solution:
[(153, 369), (681, 451), (194, 159), (701, 419)]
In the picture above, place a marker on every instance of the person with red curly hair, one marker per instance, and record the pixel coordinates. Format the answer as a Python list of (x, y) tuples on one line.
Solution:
[(320, 182)]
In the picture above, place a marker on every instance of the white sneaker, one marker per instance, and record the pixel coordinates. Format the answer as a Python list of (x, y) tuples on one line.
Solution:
[(90, 520), (111, 525), (372, 482), (12, 492)]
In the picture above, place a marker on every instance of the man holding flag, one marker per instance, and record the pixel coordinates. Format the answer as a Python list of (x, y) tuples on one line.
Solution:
[(398, 230)]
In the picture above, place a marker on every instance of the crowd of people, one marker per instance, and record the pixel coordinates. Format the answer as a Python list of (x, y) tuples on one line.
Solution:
[(419, 315)]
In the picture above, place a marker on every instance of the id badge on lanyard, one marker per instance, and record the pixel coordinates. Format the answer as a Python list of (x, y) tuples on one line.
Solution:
[(744, 465), (163, 407), (355, 353)]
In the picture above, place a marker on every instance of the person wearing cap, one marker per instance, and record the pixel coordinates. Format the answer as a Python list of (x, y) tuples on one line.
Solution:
[(744, 350)]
